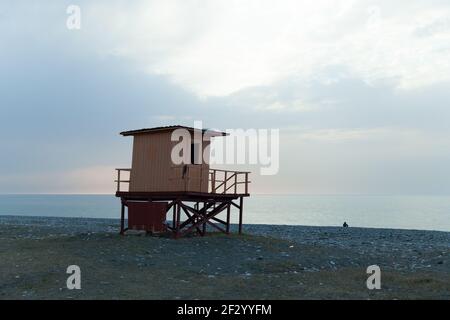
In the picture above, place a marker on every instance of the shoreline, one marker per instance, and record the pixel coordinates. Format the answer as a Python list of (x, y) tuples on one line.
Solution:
[(266, 262), (11, 217)]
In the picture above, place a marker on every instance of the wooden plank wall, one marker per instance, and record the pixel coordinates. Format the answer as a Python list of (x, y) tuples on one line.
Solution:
[(153, 170)]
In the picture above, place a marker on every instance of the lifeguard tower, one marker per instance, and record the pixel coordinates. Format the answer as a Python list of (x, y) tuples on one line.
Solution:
[(191, 192)]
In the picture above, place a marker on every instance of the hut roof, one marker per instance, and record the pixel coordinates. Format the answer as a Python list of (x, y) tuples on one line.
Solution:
[(211, 133)]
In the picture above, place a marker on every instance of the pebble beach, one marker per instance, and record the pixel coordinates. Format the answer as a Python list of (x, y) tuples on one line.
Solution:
[(266, 262)]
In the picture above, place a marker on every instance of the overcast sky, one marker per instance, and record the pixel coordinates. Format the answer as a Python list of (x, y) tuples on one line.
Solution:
[(360, 90)]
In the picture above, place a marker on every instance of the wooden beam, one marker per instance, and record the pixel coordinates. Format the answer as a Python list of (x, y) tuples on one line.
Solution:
[(192, 218), (215, 226), (169, 206), (213, 213), (219, 220), (234, 204), (183, 196), (199, 213)]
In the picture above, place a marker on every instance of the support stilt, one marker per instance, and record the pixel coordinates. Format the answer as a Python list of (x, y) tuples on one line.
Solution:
[(241, 208), (177, 230), (174, 218), (187, 216), (228, 218), (204, 217), (122, 218)]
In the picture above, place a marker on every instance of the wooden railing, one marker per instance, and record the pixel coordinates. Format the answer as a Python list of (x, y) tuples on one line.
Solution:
[(218, 181), (226, 181), (119, 176)]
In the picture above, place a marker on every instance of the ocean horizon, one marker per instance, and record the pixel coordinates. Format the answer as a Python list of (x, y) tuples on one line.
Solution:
[(365, 211)]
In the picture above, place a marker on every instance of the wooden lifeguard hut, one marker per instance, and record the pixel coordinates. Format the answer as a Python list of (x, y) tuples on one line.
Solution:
[(191, 192)]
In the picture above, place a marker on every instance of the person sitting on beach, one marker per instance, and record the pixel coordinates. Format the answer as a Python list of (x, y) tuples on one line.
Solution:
[(345, 225)]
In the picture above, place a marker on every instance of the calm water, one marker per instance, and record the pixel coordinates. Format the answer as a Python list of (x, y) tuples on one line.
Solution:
[(405, 212)]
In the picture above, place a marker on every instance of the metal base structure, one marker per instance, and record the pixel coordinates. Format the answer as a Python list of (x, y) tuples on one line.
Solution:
[(191, 212)]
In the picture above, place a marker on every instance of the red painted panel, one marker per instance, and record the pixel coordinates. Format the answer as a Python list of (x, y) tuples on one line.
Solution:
[(148, 216)]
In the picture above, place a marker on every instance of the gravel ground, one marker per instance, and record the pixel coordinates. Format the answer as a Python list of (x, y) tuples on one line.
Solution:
[(267, 262)]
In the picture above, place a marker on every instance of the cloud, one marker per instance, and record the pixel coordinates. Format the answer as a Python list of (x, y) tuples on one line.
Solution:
[(217, 48)]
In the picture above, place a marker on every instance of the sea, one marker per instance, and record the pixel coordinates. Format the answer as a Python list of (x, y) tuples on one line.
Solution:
[(393, 212)]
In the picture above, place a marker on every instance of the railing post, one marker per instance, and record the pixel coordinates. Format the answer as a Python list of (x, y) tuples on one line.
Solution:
[(225, 183), (118, 180), (214, 181), (246, 183), (235, 182)]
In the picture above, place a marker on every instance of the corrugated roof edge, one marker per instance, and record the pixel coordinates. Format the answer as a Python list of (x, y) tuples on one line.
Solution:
[(156, 129)]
